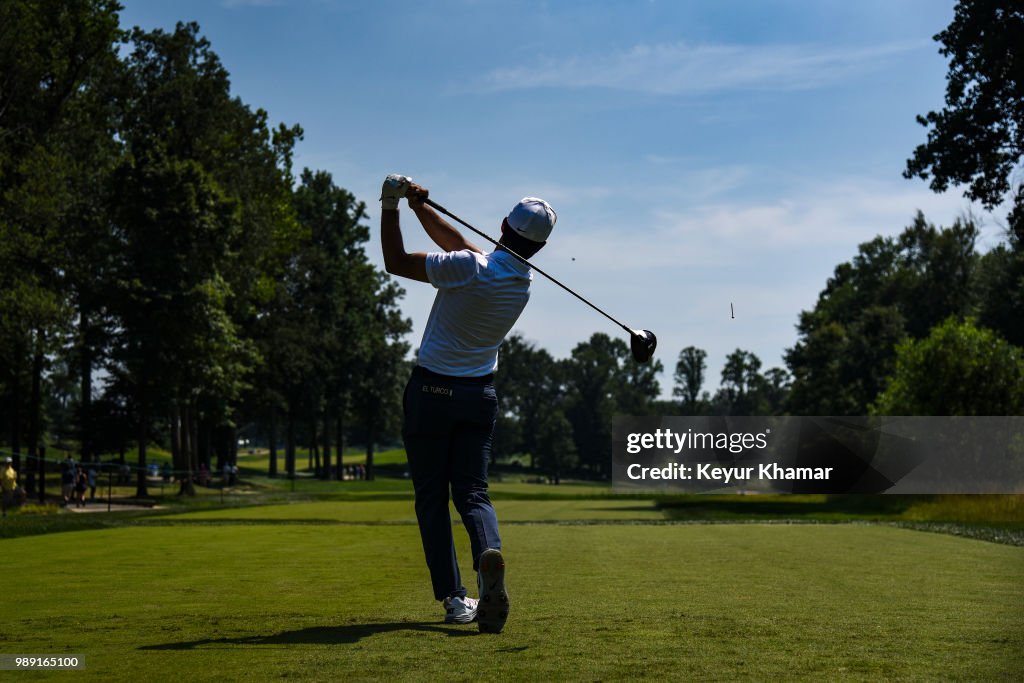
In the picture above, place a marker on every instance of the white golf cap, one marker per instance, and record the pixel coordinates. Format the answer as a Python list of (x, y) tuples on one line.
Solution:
[(532, 218), (8, 459)]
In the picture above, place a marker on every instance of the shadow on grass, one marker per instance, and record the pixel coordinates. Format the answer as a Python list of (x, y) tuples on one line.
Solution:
[(649, 507), (831, 508), (319, 635)]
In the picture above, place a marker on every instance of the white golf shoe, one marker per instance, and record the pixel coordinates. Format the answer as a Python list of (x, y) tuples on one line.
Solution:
[(492, 610), (459, 610)]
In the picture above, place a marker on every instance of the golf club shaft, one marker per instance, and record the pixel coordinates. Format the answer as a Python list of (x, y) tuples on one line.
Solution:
[(446, 212)]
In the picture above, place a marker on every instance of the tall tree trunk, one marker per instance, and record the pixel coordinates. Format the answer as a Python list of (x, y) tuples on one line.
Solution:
[(289, 455), (371, 436), (193, 454), (326, 474), (19, 356), (34, 437), (174, 420), (85, 434), (339, 431), (34, 400), (182, 464), (42, 475), (35, 410), (140, 490), (309, 452), (188, 448), (219, 442), (273, 442), (232, 445), (314, 446)]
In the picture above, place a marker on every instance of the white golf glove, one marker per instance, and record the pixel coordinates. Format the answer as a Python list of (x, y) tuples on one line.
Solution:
[(393, 189)]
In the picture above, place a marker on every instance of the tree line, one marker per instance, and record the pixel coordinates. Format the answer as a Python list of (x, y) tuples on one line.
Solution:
[(155, 242), (917, 324), (166, 276)]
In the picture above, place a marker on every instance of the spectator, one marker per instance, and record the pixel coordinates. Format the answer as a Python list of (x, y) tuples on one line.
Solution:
[(81, 483), (166, 472), (234, 474), (93, 475), (9, 484), (126, 474), (67, 480), (226, 471)]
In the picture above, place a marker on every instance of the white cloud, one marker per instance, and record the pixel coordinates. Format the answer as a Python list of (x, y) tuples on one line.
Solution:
[(705, 230), (688, 69), (832, 213)]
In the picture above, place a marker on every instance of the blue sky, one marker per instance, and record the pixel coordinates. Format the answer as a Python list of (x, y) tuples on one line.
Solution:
[(698, 153)]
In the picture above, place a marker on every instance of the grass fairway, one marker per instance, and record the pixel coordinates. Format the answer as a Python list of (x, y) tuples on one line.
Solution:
[(326, 591)]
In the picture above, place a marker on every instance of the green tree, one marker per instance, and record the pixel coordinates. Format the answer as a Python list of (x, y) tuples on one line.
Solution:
[(740, 382), (602, 380), (529, 385), (55, 59), (892, 288), (978, 138), (312, 337), (636, 387), (958, 369), (590, 373), (554, 446), (999, 288), (689, 378), (381, 375), (330, 336), (745, 390), (284, 337), (198, 167), (176, 340), (775, 384)]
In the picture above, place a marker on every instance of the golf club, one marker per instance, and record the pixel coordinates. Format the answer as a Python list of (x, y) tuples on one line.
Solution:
[(641, 342)]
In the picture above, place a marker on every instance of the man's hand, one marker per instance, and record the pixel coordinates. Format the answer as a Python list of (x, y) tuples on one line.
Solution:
[(443, 234), (394, 188), (416, 194)]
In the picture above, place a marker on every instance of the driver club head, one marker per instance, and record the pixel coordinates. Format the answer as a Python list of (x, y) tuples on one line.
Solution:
[(642, 343)]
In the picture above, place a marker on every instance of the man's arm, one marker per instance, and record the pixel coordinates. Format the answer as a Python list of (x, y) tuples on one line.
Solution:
[(437, 228), (397, 260)]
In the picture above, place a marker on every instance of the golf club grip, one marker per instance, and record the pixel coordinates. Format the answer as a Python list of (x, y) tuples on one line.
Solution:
[(446, 212)]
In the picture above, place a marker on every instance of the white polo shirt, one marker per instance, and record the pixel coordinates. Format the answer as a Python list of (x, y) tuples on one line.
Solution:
[(479, 298)]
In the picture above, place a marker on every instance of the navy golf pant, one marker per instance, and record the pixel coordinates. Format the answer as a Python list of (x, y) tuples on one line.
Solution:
[(449, 425)]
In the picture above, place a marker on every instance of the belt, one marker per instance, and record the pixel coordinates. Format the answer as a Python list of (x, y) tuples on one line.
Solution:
[(423, 373)]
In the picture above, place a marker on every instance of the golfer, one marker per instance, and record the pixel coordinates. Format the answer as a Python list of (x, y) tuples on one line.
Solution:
[(8, 484), (450, 404)]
